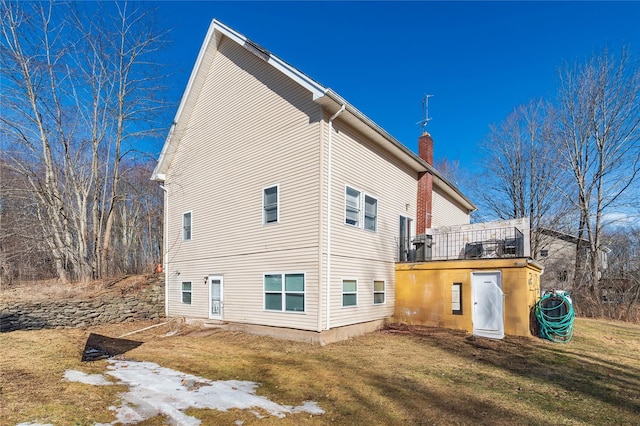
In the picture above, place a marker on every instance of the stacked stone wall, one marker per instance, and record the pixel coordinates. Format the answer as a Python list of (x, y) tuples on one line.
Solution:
[(147, 304)]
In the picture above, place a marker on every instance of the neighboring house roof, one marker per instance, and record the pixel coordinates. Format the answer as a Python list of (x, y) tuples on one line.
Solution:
[(324, 96), (561, 235)]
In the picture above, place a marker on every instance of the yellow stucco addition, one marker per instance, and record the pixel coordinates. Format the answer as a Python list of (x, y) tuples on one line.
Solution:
[(424, 292)]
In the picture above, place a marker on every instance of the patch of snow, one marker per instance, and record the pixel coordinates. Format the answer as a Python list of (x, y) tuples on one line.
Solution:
[(33, 424), (90, 379), (155, 390), (308, 407)]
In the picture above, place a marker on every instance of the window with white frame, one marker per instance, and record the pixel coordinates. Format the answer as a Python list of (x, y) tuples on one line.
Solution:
[(284, 292), (186, 292), (370, 213), (456, 298), (354, 213), (378, 292), (349, 293), (186, 226), (352, 207), (270, 204)]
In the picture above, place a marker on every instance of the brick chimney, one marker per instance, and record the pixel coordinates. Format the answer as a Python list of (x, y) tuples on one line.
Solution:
[(425, 185)]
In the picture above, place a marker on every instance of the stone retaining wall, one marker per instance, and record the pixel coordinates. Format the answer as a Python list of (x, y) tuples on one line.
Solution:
[(147, 304)]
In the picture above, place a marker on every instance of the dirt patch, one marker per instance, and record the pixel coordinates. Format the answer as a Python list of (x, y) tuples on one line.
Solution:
[(205, 332)]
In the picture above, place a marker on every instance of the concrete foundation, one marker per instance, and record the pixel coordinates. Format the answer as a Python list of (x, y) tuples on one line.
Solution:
[(318, 338)]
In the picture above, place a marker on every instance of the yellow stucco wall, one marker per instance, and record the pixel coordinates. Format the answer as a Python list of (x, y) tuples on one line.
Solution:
[(423, 292)]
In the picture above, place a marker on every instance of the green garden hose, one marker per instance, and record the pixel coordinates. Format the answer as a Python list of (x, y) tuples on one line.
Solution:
[(554, 313)]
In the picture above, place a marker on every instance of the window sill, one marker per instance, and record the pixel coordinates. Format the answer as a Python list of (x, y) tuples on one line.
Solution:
[(284, 312), (361, 228)]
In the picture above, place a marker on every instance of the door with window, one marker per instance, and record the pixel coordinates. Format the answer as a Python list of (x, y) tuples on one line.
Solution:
[(215, 297), (488, 304)]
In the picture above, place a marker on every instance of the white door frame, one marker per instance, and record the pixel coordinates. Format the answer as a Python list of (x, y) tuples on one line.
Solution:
[(210, 280), (487, 300)]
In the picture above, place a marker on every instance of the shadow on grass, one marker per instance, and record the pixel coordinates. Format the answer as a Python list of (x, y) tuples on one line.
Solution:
[(382, 397), (580, 374)]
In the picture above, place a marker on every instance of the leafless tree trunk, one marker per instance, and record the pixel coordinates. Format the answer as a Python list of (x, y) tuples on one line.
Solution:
[(521, 176), (598, 128), (78, 94)]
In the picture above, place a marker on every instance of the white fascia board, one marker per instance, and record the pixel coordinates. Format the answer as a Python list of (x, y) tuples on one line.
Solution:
[(305, 81), (216, 30), (158, 172), (308, 83), (168, 148), (419, 164), (216, 26), (196, 69), (232, 34)]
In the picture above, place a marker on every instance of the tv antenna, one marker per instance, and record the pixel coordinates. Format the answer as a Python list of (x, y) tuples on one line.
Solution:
[(425, 112)]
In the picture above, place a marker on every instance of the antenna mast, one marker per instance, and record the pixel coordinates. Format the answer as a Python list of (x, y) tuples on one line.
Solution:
[(425, 113)]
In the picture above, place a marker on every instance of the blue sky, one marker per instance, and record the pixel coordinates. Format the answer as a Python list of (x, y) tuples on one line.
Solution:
[(479, 60)]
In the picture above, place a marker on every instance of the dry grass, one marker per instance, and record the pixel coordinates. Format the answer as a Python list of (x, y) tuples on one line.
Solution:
[(37, 291), (398, 376)]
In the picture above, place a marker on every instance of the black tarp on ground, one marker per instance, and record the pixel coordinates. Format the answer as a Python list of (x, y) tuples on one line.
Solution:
[(101, 347)]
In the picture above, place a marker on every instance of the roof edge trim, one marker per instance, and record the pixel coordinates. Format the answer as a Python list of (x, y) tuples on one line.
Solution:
[(308, 83), (185, 95)]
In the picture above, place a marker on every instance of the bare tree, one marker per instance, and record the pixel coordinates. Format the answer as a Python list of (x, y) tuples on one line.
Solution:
[(77, 97), (521, 175), (597, 134), (451, 170), (23, 253), (139, 220), (621, 280)]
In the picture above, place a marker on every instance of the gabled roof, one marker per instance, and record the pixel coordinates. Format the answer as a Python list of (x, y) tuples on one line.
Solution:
[(560, 235), (324, 96)]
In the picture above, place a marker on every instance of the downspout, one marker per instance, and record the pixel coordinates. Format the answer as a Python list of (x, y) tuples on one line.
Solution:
[(328, 277), (165, 255)]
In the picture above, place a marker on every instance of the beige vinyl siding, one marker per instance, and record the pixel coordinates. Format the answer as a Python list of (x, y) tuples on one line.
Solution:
[(243, 289), (250, 128), (445, 211), (360, 253), (365, 272)]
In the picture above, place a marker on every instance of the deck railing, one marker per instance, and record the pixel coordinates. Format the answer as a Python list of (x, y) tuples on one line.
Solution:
[(471, 244)]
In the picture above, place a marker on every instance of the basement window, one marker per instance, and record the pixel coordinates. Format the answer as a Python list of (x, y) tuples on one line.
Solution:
[(456, 299), (284, 292), (349, 293), (378, 292), (186, 292)]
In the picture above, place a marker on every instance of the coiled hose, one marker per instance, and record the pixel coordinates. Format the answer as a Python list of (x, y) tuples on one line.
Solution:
[(555, 314)]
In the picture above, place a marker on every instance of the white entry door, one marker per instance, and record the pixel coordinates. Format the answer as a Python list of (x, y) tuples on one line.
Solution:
[(488, 304), (215, 296)]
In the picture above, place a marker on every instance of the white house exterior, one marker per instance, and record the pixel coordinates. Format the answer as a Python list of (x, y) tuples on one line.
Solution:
[(284, 204)]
